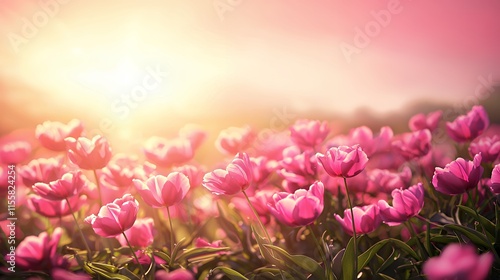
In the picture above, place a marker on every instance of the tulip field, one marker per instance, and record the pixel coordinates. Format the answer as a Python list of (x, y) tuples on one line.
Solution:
[(313, 205)]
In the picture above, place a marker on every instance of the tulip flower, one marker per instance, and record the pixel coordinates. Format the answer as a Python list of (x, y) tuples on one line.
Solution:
[(14, 152), (52, 134), (371, 144), (405, 204), (458, 262), (458, 176), (467, 127), (160, 191), (194, 134), (55, 208), (429, 121), (42, 170), (414, 144), (70, 184), (299, 169), (234, 139), (366, 219), (235, 178), (166, 153), (495, 179), (141, 234), (309, 134), (115, 218), (383, 180), (193, 173), (89, 154), (40, 252), (489, 147), (343, 161), (300, 208)]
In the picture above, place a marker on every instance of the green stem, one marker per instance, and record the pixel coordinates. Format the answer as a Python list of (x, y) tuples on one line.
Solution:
[(257, 217), (98, 184), (423, 252), (355, 267), (262, 228), (172, 241), (323, 255), (135, 256), (89, 254)]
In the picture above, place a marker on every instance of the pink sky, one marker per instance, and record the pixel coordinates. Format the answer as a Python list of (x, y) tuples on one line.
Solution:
[(259, 54)]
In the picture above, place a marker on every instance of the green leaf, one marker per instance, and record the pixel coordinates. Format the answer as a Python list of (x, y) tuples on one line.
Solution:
[(103, 271), (337, 264), (386, 277), (180, 245), (485, 223), (444, 239), (263, 250), (198, 252), (366, 256), (162, 255), (347, 261), (477, 238), (304, 262), (230, 273)]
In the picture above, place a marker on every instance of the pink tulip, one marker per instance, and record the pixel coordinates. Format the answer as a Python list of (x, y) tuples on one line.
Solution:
[(300, 208), (160, 191), (383, 180), (119, 172), (371, 144), (89, 154), (495, 179), (167, 153), (489, 147), (52, 134), (343, 161), (115, 218), (234, 139), (414, 144), (55, 208), (42, 170), (15, 152), (429, 121), (262, 168), (366, 219), (467, 127), (458, 262), (259, 200), (234, 179), (458, 176), (178, 274), (141, 234), (40, 252), (194, 134), (70, 184), (299, 169), (405, 204), (309, 134), (193, 172)]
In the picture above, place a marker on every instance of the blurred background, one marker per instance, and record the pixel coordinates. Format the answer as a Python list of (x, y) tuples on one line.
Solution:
[(133, 69)]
